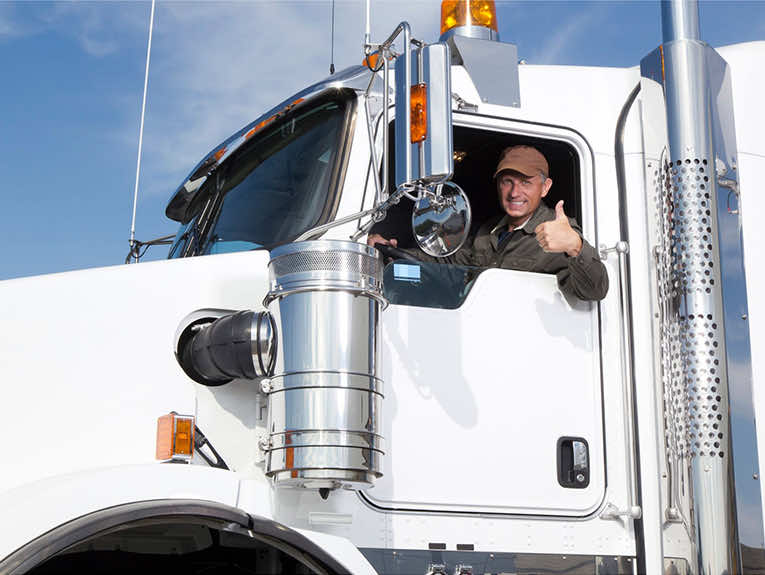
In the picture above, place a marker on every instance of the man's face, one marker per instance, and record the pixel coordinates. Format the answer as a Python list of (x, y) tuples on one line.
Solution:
[(520, 194)]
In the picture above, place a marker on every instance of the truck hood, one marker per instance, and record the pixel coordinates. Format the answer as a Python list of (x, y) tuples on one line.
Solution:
[(87, 361)]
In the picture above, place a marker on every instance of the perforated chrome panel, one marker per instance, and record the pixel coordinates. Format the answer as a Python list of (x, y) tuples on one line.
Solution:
[(325, 265), (691, 338), (334, 261)]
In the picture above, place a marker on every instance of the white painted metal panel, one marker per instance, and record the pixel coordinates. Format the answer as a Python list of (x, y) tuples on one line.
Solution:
[(36, 508), (477, 398), (87, 364)]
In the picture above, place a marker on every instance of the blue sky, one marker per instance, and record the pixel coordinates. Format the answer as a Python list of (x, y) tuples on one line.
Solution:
[(73, 79)]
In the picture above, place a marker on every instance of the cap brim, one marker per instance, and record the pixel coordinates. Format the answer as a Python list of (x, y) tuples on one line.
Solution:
[(513, 169)]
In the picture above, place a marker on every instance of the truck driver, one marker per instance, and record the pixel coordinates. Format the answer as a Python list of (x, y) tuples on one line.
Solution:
[(530, 236)]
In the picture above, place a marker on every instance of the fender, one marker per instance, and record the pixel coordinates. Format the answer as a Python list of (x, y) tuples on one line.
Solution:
[(50, 515)]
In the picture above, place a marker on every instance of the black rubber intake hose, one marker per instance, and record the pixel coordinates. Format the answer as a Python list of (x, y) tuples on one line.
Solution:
[(223, 350)]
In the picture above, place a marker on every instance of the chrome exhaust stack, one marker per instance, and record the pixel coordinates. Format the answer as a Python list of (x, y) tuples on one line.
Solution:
[(325, 395), (686, 87)]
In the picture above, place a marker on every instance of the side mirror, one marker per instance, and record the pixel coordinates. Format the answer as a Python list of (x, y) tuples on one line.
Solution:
[(441, 219), (424, 148)]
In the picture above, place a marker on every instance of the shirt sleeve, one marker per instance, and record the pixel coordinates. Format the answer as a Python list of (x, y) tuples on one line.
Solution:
[(585, 276)]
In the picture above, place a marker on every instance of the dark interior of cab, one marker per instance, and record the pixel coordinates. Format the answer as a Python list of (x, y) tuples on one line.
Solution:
[(476, 153)]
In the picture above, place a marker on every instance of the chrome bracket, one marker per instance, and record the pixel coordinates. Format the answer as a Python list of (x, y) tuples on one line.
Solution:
[(264, 444), (613, 512), (463, 104), (733, 190), (620, 247), (436, 569)]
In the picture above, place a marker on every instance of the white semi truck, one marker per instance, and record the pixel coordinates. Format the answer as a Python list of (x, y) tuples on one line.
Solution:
[(279, 397)]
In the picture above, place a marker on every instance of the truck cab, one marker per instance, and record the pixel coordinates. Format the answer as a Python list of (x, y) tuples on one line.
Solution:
[(515, 428)]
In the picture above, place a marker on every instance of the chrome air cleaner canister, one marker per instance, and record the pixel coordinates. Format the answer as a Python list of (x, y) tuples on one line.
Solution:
[(325, 395)]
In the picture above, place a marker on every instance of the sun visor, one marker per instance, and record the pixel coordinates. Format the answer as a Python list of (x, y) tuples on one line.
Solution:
[(493, 67)]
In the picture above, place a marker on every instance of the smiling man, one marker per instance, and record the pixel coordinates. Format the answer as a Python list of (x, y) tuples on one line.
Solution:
[(530, 236)]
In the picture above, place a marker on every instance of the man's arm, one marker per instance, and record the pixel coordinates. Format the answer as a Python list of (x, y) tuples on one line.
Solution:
[(585, 275)]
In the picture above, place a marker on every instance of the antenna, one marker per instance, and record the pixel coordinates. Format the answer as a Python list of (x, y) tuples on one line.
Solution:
[(367, 35), (332, 42), (133, 252)]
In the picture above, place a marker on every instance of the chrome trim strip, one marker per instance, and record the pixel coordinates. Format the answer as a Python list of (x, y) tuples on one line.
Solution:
[(397, 561)]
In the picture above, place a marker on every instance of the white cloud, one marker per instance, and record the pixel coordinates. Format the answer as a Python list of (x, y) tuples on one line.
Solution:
[(12, 25), (563, 40), (97, 27), (6, 24)]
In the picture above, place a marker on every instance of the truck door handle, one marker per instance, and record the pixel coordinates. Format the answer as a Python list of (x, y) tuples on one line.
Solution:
[(573, 462)]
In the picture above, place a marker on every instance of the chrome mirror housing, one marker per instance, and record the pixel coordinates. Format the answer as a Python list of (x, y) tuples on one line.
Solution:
[(423, 128), (441, 219)]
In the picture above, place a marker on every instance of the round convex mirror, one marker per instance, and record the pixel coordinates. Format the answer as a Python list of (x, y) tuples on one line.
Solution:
[(441, 219)]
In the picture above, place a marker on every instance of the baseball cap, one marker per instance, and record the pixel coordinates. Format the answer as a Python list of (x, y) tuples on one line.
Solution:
[(524, 159)]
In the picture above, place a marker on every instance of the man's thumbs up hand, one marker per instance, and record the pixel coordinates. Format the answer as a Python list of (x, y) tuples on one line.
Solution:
[(559, 213), (557, 236)]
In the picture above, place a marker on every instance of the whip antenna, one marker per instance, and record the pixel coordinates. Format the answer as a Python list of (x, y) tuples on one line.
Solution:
[(367, 34), (140, 136), (332, 42)]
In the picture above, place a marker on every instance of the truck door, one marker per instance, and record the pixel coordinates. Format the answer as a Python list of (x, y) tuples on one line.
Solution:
[(493, 397)]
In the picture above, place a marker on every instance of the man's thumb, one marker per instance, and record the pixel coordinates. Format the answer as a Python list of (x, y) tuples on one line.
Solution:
[(559, 213)]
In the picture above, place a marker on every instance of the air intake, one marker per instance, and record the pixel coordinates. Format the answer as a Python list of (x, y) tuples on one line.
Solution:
[(325, 395)]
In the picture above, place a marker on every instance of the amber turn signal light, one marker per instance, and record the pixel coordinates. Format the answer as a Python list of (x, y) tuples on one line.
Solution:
[(419, 113), (175, 437), (468, 13), (372, 60)]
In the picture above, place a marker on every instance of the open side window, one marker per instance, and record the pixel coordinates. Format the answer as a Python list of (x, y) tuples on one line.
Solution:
[(476, 153)]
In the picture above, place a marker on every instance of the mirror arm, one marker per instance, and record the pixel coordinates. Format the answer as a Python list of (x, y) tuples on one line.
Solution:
[(377, 213), (307, 235), (372, 151)]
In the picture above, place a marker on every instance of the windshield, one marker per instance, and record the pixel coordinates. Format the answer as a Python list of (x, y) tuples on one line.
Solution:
[(281, 183)]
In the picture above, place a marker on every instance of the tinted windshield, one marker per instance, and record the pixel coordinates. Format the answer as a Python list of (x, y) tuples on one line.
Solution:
[(280, 184)]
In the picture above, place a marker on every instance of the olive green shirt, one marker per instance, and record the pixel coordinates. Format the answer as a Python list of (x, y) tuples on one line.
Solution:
[(583, 276)]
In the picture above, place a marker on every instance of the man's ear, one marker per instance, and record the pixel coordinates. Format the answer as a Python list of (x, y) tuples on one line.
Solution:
[(546, 187)]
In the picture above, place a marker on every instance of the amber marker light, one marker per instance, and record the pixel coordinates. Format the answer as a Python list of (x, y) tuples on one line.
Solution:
[(371, 61), (419, 113), (175, 437), (260, 125), (456, 13), (219, 154)]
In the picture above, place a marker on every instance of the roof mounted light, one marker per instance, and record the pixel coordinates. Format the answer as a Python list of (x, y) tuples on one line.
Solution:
[(471, 18)]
